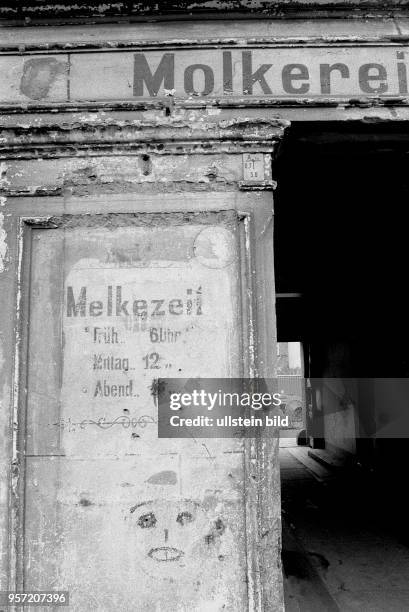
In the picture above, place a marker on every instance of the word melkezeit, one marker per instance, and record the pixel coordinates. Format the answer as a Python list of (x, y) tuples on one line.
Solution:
[(272, 72), (119, 304)]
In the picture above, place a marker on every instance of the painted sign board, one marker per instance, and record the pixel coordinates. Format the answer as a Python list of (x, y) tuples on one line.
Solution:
[(273, 72), (120, 518)]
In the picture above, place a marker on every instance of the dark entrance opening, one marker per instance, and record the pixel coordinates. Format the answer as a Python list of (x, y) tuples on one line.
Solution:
[(341, 261)]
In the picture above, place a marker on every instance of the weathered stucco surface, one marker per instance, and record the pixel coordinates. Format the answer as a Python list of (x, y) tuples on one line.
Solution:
[(90, 172), (3, 244), (126, 211), (246, 70), (34, 11), (176, 507)]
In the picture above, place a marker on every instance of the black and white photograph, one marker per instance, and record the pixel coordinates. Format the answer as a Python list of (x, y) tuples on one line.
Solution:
[(204, 324)]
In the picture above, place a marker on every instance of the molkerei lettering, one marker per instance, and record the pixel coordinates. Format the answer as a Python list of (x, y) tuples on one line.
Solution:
[(272, 72), (248, 73)]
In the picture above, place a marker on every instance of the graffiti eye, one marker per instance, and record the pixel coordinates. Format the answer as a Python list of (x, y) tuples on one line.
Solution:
[(147, 520), (184, 517)]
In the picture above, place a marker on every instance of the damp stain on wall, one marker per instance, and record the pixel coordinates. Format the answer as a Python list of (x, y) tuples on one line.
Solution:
[(39, 74), (166, 477)]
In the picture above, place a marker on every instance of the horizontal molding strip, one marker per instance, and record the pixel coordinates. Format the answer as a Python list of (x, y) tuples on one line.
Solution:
[(237, 43)]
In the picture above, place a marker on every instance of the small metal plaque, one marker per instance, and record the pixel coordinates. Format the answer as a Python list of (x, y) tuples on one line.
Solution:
[(257, 172), (253, 167)]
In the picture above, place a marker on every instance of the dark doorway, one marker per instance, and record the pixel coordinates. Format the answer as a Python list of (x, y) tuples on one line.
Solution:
[(340, 264)]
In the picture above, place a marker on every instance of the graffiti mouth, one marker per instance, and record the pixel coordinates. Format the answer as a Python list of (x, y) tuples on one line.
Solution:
[(165, 553)]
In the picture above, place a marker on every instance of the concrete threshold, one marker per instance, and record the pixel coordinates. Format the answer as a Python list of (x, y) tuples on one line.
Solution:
[(326, 459), (317, 469)]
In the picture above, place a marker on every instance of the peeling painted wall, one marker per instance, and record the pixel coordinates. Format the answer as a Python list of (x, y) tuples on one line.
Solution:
[(74, 159), (123, 173), (7, 331), (46, 12), (325, 74), (176, 507), (3, 244), (102, 217), (243, 70)]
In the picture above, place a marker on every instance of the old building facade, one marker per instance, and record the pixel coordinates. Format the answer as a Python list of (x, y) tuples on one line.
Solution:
[(147, 152)]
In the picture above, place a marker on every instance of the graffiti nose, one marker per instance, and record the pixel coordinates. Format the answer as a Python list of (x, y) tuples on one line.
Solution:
[(166, 535)]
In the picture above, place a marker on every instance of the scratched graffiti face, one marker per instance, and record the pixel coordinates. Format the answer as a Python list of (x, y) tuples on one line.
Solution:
[(172, 537)]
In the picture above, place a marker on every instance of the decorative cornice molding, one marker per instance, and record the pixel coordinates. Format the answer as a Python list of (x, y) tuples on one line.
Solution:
[(164, 104), (111, 44), (96, 11), (162, 136)]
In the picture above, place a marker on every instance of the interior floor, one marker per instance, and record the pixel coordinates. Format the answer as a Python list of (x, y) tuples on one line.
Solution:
[(341, 259), (343, 548)]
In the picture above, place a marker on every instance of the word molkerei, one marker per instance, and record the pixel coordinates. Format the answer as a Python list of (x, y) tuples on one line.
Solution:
[(269, 72)]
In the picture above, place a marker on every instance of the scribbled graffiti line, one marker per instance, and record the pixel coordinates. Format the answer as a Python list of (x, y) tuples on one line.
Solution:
[(102, 423)]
